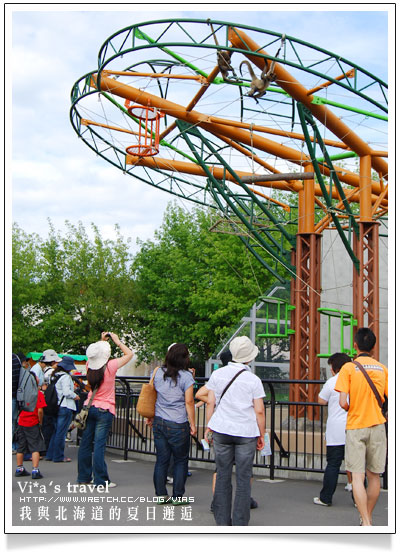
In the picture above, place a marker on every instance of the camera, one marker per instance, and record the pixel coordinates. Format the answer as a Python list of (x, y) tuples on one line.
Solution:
[(107, 335)]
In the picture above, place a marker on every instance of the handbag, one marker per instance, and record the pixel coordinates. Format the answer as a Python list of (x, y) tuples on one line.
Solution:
[(146, 404), (374, 390), (81, 417)]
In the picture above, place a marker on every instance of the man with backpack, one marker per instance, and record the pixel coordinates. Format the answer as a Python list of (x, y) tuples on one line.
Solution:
[(50, 358), (16, 368), (365, 427), (30, 438), (27, 391)]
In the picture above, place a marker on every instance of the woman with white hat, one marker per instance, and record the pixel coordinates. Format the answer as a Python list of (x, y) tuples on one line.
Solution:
[(238, 426), (101, 377)]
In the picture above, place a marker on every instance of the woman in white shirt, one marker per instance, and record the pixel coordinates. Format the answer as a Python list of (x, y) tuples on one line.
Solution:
[(238, 426)]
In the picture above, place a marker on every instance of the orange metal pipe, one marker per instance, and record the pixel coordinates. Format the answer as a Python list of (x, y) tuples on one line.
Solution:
[(350, 73), (85, 122), (284, 79), (260, 161), (213, 74), (378, 201), (309, 202), (204, 121), (365, 189), (272, 131), (219, 173), (152, 74), (194, 169), (325, 221)]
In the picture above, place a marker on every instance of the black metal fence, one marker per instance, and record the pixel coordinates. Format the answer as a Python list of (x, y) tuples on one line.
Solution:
[(296, 429)]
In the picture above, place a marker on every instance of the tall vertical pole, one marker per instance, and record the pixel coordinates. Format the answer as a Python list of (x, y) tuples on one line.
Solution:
[(366, 248), (307, 294)]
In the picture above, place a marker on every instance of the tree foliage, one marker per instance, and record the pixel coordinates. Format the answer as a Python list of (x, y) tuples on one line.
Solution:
[(67, 289), (192, 285), (188, 285)]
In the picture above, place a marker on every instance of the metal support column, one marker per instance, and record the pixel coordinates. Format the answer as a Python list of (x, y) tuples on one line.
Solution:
[(306, 364), (366, 247), (366, 282)]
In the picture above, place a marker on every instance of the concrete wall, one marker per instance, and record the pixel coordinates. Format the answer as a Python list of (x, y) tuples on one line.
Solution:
[(134, 369), (337, 291)]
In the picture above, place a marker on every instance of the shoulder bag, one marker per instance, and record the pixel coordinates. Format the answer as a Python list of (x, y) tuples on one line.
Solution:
[(230, 383), (146, 404), (80, 418), (373, 388)]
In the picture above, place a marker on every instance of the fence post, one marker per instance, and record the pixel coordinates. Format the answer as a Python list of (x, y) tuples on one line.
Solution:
[(127, 407), (272, 440)]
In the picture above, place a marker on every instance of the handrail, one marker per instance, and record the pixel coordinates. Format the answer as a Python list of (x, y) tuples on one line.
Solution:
[(295, 440)]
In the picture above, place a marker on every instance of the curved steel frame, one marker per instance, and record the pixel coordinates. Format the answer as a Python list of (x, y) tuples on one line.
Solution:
[(203, 157)]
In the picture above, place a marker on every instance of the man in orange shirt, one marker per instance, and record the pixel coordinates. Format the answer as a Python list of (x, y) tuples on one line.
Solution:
[(365, 427)]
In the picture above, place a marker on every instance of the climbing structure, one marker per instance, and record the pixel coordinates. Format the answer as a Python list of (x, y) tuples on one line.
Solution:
[(267, 161)]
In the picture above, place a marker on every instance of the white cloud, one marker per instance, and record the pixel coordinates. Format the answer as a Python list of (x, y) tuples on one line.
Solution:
[(54, 174)]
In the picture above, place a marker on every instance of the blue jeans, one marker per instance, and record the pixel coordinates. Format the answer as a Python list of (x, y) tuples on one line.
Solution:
[(48, 427), (334, 457), (92, 448), (171, 438), (55, 450), (231, 449)]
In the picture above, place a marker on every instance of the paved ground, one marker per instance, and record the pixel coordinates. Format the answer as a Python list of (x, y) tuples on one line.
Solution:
[(53, 501)]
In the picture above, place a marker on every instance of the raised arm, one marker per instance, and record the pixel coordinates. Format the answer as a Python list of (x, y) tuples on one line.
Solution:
[(128, 354)]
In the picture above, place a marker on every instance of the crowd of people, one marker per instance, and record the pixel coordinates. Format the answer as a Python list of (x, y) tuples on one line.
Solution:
[(42, 433), (235, 416)]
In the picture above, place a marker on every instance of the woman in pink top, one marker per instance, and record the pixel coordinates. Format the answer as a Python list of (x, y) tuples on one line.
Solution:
[(101, 377)]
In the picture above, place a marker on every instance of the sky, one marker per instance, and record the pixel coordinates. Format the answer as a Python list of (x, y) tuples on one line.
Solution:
[(51, 174)]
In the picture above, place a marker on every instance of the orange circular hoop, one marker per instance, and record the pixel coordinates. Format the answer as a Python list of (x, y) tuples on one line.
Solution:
[(141, 150), (149, 130)]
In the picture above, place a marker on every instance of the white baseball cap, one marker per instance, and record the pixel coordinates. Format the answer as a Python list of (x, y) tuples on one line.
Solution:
[(243, 350), (98, 354)]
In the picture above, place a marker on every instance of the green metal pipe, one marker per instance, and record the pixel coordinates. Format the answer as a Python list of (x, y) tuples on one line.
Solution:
[(321, 182), (339, 156), (141, 35), (219, 80), (212, 180)]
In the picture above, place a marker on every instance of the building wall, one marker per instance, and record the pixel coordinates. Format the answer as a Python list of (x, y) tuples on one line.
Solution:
[(337, 293), (337, 289), (134, 369)]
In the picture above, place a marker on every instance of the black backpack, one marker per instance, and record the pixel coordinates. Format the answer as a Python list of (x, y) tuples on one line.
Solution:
[(51, 398)]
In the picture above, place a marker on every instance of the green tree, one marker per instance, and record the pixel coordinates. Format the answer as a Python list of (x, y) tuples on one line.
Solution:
[(27, 289), (73, 288), (192, 285)]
